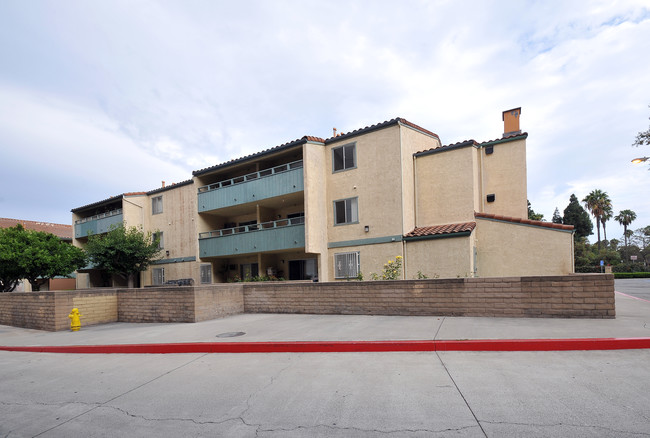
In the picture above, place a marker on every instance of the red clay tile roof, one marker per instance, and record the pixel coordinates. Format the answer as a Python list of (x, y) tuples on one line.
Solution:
[(523, 221), (442, 229), (471, 142), (61, 230), (306, 138), (381, 125)]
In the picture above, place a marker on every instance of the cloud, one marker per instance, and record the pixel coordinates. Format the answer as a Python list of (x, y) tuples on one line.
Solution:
[(179, 86)]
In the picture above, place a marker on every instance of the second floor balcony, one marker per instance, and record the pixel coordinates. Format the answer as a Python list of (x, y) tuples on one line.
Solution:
[(247, 239), (267, 183), (97, 224)]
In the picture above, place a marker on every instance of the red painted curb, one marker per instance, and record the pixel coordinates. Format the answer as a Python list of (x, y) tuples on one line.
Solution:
[(350, 346)]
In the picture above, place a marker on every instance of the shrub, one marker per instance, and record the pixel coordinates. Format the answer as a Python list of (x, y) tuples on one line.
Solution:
[(632, 275)]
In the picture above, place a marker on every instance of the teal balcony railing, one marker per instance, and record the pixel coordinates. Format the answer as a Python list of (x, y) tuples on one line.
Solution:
[(98, 224), (267, 183), (267, 236)]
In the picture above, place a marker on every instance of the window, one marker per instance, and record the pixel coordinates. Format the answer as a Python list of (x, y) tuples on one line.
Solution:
[(344, 157), (206, 274), (156, 205), (159, 236), (158, 276), (346, 265), (346, 211)]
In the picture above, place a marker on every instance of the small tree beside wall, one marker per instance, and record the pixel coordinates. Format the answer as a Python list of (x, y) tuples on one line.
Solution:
[(123, 251)]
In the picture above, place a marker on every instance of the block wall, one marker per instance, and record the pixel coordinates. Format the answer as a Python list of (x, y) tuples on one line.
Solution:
[(579, 295)]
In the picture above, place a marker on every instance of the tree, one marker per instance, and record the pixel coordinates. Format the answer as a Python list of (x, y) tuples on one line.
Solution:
[(123, 251), (597, 202), (557, 219), (35, 256), (607, 215), (575, 215), (534, 216), (625, 218)]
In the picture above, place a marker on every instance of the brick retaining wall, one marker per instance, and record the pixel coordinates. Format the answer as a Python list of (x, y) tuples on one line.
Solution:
[(578, 295)]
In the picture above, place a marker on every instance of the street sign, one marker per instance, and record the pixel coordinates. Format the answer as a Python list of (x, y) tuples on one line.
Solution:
[(602, 263), (633, 257)]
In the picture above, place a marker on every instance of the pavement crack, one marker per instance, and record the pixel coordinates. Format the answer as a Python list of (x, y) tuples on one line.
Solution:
[(435, 337), (179, 419), (581, 426), (461, 394), (359, 429), (120, 395)]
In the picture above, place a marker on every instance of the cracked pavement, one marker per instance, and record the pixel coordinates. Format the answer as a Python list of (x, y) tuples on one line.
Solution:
[(460, 394)]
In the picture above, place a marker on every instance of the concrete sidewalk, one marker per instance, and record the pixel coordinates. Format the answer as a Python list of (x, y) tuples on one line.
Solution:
[(632, 321)]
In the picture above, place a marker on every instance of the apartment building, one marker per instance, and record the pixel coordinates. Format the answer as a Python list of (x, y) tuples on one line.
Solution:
[(339, 208)]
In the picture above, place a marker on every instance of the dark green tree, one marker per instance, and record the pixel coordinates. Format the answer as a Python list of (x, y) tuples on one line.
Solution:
[(35, 256), (534, 216), (123, 251), (575, 215), (625, 218), (557, 219)]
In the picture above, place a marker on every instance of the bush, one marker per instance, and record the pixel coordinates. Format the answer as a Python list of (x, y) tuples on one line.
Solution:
[(632, 275), (629, 267), (588, 270)]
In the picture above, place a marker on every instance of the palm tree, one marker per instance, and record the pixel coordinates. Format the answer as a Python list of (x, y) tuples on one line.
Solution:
[(598, 202), (625, 218), (607, 215)]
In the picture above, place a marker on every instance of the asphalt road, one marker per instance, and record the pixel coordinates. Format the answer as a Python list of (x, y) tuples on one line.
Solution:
[(426, 394), (637, 287), (470, 394)]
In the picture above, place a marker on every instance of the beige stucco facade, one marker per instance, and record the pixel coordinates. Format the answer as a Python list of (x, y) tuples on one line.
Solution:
[(331, 209), (508, 249)]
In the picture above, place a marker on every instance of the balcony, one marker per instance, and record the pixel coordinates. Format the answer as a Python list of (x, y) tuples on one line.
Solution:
[(268, 236), (98, 224), (267, 183)]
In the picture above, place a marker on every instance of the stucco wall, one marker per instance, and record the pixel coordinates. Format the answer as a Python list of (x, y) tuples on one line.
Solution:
[(504, 175), (411, 142), (316, 209), (445, 187), (376, 182), (440, 258), (180, 235), (372, 257), (508, 249)]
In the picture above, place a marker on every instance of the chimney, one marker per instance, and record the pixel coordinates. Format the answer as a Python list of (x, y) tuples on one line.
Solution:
[(334, 132), (163, 184), (511, 122)]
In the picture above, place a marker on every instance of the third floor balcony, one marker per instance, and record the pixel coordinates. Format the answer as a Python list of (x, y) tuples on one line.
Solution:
[(268, 183), (97, 224)]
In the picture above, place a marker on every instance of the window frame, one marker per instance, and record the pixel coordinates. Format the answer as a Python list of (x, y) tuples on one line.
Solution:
[(348, 220), (352, 145), (156, 200), (357, 255), (153, 276)]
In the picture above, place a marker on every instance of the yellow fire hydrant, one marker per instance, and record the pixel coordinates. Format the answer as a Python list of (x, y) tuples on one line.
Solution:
[(75, 322)]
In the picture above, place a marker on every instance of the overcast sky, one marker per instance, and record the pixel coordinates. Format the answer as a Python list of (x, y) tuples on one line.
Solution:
[(99, 98)]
